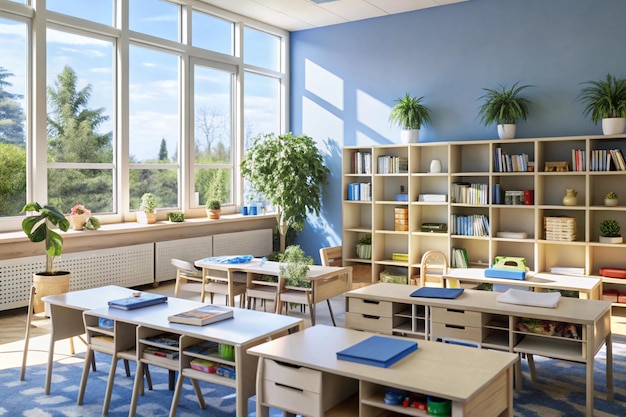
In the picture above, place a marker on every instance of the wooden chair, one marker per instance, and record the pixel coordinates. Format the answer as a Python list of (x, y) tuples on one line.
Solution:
[(296, 295), (261, 290), (331, 256), (188, 277), (219, 282), (433, 267)]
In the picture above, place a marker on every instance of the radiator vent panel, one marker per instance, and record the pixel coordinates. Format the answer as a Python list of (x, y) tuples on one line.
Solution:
[(251, 242), (188, 250)]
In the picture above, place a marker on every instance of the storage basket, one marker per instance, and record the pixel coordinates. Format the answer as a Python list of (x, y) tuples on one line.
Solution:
[(560, 228)]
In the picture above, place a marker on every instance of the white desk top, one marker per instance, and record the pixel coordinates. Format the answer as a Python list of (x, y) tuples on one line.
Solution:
[(533, 279), (451, 371), (245, 327), (90, 298)]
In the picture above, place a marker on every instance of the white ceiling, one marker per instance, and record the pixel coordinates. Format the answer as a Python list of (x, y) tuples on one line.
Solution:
[(295, 15)]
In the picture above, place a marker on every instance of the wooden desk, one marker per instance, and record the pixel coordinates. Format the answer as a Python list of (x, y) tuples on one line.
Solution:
[(478, 382), (326, 281), (589, 287), (478, 317), (66, 315), (247, 329)]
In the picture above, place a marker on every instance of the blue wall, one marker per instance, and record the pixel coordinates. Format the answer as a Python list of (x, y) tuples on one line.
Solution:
[(345, 78)]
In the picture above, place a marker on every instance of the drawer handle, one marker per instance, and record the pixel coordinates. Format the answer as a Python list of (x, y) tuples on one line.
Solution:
[(451, 326), (451, 310), (289, 365), (367, 316), (288, 387), (371, 302)]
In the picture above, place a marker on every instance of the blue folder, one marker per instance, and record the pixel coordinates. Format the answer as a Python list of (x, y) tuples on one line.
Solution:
[(145, 299), (378, 351), (433, 292)]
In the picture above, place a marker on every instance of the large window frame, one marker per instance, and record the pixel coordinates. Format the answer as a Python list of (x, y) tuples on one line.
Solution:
[(36, 111)]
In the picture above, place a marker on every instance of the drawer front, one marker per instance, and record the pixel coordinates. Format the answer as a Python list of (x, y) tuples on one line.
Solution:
[(300, 378), (291, 399), (456, 317), (472, 334), (372, 307), (369, 322)]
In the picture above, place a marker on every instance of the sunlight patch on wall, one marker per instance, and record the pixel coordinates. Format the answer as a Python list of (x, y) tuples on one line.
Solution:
[(319, 123), (363, 139), (373, 114), (323, 84)]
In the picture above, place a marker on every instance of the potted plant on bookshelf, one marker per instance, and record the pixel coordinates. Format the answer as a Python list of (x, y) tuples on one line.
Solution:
[(38, 228), (410, 114), (214, 209), (147, 209), (609, 232), (294, 265), (289, 171), (364, 246), (606, 100), (504, 106), (610, 199)]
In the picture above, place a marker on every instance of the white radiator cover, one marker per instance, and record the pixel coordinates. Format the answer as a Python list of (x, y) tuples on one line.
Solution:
[(125, 266), (188, 250), (251, 242)]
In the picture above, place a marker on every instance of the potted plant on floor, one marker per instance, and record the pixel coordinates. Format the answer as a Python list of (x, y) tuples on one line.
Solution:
[(147, 209), (504, 106), (289, 171), (609, 232), (214, 209), (606, 100), (38, 228), (410, 114)]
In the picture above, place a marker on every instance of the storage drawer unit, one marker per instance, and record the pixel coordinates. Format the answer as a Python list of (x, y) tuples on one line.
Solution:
[(376, 324), (452, 331), (457, 317), (370, 307)]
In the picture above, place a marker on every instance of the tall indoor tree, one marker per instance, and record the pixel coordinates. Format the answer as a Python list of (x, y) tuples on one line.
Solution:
[(289, 171)]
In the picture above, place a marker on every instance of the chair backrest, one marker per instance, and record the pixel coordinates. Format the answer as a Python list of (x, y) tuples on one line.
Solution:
[(331, 256), (184, 265), (434, 266)]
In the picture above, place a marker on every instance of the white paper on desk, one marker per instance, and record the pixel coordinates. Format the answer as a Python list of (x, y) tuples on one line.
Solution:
[(530, 298)]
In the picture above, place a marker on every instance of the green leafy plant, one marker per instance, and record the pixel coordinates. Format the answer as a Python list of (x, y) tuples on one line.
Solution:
[(409, 112), (604, 99), (504, 105), (148, 203), (92, 223), (366, 239), (294, 265), (176, 216), (38, 229), (289, 171), (214, 205), (609, 228), (610, 196)]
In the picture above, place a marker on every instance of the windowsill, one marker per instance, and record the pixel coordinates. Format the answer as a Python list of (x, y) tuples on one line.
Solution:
[(16, 244)]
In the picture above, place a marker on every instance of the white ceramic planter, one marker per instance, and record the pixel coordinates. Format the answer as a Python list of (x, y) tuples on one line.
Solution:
[(410, 135), (610, 202), (616, 239), (613, 125), (506, 131)]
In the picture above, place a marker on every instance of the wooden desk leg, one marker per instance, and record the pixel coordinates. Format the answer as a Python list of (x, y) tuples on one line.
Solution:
[(261, 410), (49, 368), (609, 366), (27, 335), (589, 368), (83, 380), (179, 387)]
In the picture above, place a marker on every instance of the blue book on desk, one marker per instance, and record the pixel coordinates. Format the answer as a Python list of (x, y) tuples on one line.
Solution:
[(378, 351), (144, 299), (434, 292)]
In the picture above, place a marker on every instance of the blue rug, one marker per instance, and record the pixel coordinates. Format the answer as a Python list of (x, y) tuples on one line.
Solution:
[(558, 392)]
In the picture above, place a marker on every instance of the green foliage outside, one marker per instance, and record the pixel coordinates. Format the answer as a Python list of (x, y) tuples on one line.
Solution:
[(12, 179)]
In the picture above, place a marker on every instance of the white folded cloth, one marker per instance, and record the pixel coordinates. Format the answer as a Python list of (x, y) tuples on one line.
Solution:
[(529, 298)]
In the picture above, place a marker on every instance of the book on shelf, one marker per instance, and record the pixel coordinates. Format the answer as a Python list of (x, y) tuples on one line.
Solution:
[(168, 339), (202, 316), (205, 348), (378, 351), (567, 270), (459, 258), (433, 198), (144, 299), (161, 353)]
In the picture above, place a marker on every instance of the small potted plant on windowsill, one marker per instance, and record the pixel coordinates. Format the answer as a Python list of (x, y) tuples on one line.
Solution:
[(78, 216), (609, 232), (214, 209), (410, 114), (147, 209), (364, 246), (504, 106), (610, 199)]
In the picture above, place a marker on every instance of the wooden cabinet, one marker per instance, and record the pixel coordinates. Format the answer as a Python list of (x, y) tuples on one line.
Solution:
[(474, 180)]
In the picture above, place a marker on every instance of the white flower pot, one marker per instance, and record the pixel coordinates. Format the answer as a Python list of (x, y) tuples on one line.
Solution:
[(613, 125), (410, 135), (506, 131), (615, 239), (610, 202)]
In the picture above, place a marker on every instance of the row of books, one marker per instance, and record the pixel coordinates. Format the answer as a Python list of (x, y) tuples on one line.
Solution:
[(600, 160), (459, 258), (578, 160), (361, 162), (618, 160), (510, 163), (466, 193), (389, 164), (470, 225), (360, 191)]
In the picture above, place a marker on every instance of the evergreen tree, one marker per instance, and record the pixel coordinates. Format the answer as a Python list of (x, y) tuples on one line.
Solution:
[(11, 113), (12, 179), (163, 151)]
